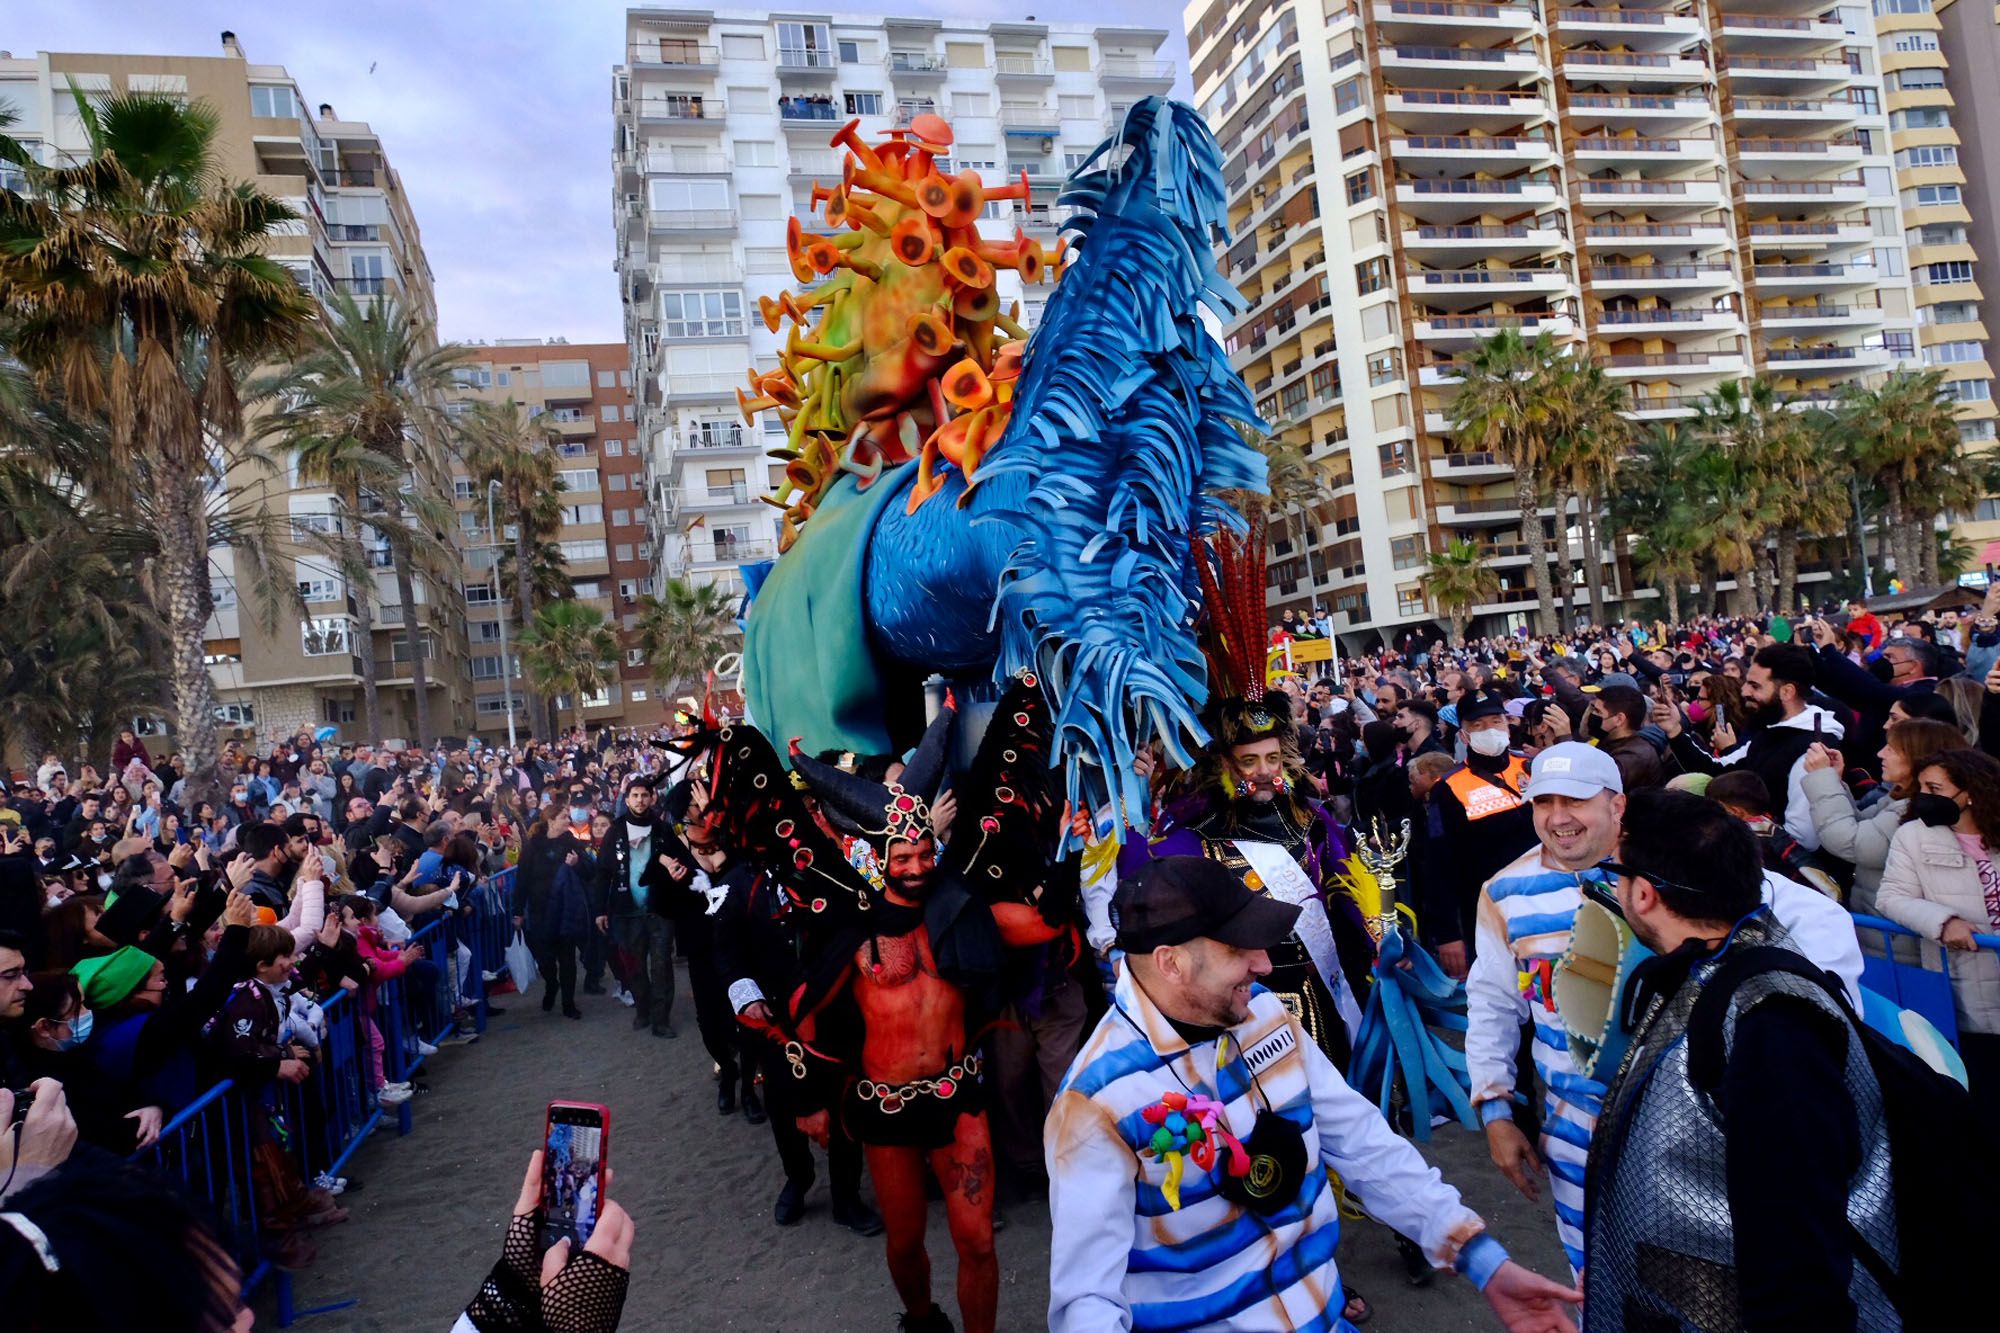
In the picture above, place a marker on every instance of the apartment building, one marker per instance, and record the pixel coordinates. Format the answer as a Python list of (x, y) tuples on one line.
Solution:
[(356, 232), (722, 126), (1964, 39), (1686, 193), (585, 391)]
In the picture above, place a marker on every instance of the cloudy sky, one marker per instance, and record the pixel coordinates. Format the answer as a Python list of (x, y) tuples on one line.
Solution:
[(498, 116)]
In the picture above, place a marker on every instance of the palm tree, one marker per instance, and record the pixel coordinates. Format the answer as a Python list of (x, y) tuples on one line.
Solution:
[(684, 630), (1585, 454), (503, 443), (1736, 424), (1504, 405), (1901, 430), (1458, 580), (376, 374), (1651, 504), (1295, 483), (569, 649), (1808, 490), (137, 286)]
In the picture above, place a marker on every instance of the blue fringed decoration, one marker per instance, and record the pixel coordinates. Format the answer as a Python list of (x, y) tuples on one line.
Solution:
[(1121, 433), (1407, 1008)]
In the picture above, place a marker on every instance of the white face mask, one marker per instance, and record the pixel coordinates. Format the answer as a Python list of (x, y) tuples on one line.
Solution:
[(1490, 742), (104, 881)]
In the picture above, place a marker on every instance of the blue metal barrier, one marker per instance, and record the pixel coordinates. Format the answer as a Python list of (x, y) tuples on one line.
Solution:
[(1920, 985), (207, 1149)]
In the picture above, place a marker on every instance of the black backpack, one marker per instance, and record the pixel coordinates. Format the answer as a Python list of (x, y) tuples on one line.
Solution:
[(1937, 1152)]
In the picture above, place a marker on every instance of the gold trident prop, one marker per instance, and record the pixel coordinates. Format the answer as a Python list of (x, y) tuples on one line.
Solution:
[(1381, 852)]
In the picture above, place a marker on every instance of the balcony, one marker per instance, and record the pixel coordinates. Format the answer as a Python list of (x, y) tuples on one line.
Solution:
[(1029, 119), (1482, 285), (1473, 152), (1819, 315), (1663, 277), (807, 63), (716, 497), (1804, 360), (1644, 30), (696, 113), (1654, 363), (1490, 67), (1453, 200), (1650, 195), (1497, 242), (1754, 33), (1663, 406), (1791, 112), (1452, 333), (1654, 110), (813, 165), (722, 435), (1472, 466), (1671, 325), (1658, 235), (685, 162), (1633, 67), (1613, 148), (908, 109), (1797, 158), (666, 53), (700, 270), (1767, 72), (701, 388), (916, 67), (668, 222), (1022, 69), (809, 112), (1136, 75), (1841, 190), (1451, 108), (1816, 275), (1463, 513), (1408, 20)]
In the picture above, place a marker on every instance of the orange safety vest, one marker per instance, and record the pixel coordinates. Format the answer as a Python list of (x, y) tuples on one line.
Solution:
[(1482, 796)]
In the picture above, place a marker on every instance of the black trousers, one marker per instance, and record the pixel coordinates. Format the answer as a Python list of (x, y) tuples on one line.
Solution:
[(843, 1154), (557, 961), (727, 1041)]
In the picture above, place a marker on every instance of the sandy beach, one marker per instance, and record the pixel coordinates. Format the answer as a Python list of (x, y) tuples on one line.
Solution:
[(428, 1221)]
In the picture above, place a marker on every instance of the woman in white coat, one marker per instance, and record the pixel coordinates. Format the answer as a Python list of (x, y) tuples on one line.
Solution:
[(1942, 880), (1861, 838)]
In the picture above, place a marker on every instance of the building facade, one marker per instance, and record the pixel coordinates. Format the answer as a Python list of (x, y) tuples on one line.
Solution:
[(585, 391), (1687, 192), (355, 232), (723, 122)]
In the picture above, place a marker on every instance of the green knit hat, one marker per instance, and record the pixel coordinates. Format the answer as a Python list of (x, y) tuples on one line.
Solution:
[(106, 981)]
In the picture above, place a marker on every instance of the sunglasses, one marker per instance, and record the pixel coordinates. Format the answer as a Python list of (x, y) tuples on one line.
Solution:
[(1633, 872)]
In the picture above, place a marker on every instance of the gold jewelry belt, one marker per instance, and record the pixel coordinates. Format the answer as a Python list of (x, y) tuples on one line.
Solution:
[(892, 1096)]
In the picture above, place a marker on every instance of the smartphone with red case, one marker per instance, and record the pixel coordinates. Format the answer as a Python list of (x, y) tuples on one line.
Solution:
[(575, 1141)]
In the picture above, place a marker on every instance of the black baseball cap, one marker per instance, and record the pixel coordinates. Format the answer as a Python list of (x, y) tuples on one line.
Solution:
[(1181, 898)]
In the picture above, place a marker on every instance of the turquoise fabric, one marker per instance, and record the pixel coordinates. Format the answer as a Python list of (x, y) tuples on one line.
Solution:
[(809, 669)]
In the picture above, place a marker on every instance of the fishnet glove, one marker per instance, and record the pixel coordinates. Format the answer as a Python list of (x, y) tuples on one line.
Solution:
[(509, 1301), (588, 1296)]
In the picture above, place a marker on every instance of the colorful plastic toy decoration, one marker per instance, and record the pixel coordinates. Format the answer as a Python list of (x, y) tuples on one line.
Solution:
[(898, 347), (1187, 1126)]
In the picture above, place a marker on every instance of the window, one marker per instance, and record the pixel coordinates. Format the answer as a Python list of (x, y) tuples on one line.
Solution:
[(1948, 312), (965, 55), (238, 713), (320, 587), (326, 637), (615, 482), (762, 207), (756, 153), (1929, 195), (675, 194), (1916, 80), (578, 479), (583, 513), (486, 668), (1970, 391), (804, 44), (972, 104), (1932, 155), (586, 589), (1949, 354), (1360, 186), (623, 551), (616, 448), (635, 657), (850, 53), (1346, 97), (485, 631), (581, 552), (1407, 552), (636, 693), (701, 314), (1385, 367), (621, 518), (1865, 101), (1916, 41), (607, 379), (742, 46), (271, 100), (1920, 118), (864, 104), (1958, 270), (1076, 108), (221, 594), (1884, 7), (565, 374), (1371, 275), (479, 594)]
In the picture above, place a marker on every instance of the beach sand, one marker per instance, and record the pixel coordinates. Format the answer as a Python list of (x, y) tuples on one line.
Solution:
[(428, 1222)]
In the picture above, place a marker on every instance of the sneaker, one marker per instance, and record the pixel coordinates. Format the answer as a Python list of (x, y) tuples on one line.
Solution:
[(489, 977), (626, 997), (331, 1184), (425, 1048), (400, 1085), (393, 1096)]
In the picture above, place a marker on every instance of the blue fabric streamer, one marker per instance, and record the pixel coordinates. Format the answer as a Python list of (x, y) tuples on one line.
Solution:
[(1399, 1041)]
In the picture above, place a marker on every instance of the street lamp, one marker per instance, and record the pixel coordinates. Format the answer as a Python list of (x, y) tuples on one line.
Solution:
[(506, 663)]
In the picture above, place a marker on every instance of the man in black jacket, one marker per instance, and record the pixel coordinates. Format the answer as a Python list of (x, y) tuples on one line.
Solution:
[(644, 888), (759, 961)]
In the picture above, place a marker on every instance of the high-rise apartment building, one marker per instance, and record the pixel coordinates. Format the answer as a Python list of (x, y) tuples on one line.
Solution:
[(356, 232), (583, 390), (1965, 39), (722, 126), (1687, 193)]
